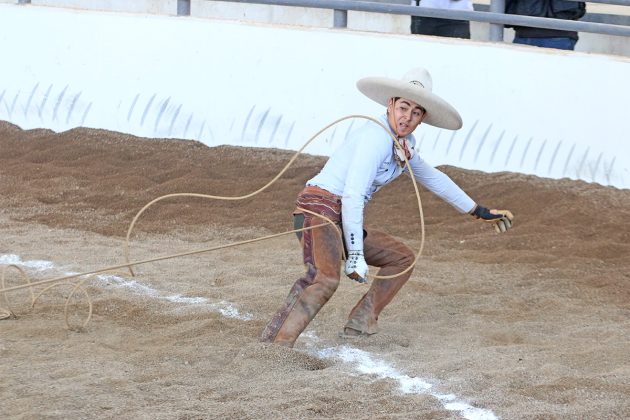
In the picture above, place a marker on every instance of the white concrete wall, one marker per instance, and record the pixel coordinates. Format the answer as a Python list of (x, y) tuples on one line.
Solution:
[(536, 111), (165, 7)]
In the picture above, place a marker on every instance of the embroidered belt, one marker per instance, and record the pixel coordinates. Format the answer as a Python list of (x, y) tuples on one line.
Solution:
[(320, 201)]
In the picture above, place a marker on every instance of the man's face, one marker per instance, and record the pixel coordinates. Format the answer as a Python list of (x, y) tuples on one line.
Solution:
[(404, 115)]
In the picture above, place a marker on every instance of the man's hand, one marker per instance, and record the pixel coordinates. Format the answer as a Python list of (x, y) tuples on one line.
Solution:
[(356, 267), (501, 219)]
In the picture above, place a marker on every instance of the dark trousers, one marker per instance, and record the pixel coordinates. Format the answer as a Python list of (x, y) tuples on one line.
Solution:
[(440, 27), (561, 42)]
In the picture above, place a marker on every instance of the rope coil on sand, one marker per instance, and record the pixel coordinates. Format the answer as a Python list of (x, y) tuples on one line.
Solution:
[(63, 281), (8, 313)]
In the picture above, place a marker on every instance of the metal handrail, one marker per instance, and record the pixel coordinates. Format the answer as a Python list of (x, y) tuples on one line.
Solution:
[(612, 2), (494, 16)]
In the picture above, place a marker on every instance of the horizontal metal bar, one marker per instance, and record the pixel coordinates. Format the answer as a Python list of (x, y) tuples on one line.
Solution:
[(612, 2), (607, 19), (596, 17), (489, 17)]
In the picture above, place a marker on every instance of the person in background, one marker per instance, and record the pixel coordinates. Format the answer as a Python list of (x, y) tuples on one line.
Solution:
[(451, 28), (542, 37), (362, 165)]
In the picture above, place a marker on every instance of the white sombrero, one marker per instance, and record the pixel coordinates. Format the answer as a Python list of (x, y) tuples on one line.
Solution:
[(415, 85)]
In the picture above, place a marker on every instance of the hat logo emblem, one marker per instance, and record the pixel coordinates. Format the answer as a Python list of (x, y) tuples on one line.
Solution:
[(417, 83)]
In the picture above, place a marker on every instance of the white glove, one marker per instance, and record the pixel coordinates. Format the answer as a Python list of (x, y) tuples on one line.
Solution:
[(356, 267)]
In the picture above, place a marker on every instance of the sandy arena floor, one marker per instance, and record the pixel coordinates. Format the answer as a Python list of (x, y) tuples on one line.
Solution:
[(531, 324)]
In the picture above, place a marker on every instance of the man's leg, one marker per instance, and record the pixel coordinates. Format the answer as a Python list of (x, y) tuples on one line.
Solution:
[(422, 25), (440, 27), (457, 29), (322, 255), (561, 43), (392, 257)]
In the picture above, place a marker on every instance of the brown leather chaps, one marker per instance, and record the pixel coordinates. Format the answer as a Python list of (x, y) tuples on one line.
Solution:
[(322, 253)]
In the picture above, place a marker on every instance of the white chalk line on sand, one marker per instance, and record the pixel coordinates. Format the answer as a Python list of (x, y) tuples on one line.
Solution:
[(367, 364), (363, 362), (223, 307)]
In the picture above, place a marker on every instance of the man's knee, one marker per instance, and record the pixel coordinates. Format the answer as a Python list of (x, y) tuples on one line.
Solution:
[(403, 256), (327, 284), (323, 281), (408, 257)]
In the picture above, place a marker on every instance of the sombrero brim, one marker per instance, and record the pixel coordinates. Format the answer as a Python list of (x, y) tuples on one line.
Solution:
[(439, 112)]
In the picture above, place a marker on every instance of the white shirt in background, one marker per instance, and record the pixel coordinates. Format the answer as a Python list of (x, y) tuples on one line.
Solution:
[(445, 4)]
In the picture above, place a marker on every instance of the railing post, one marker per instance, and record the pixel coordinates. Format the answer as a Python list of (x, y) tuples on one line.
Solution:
[(340, 18), (496, 29), (183, 7)]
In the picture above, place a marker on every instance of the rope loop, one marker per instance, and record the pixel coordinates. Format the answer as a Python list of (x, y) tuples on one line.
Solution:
[(268, 184), (63, 281), (6, 313)]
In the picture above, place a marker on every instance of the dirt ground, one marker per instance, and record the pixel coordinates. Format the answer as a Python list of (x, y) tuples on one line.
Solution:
[(534, 323)]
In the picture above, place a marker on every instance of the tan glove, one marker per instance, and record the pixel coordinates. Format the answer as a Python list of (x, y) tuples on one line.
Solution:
[(501, 219)]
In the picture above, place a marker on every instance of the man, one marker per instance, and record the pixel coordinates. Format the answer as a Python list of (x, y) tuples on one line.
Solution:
[(360, 167), (543, 37), (452, 28)]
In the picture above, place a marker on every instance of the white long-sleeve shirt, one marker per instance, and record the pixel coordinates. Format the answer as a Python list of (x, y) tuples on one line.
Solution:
[(364, 163), (445, 4)]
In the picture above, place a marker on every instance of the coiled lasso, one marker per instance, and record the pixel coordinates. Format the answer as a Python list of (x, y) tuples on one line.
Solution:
[(64, 280)]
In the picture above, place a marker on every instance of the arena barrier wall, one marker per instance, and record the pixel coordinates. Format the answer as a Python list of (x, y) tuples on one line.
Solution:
[(535, 111)]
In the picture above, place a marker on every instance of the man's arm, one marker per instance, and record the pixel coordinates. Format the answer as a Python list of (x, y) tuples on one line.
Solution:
[(444, 187)]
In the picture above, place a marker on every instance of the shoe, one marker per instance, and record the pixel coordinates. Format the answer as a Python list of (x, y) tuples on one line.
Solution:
[(352, 333)]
